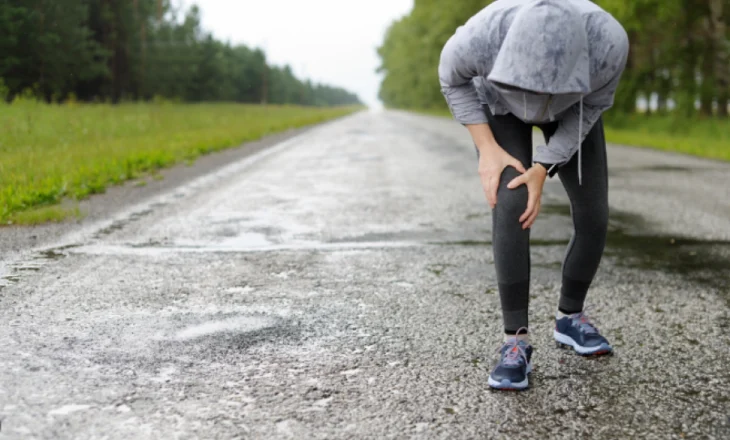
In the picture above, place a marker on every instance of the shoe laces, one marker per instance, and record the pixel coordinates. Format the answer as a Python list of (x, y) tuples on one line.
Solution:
[(583, 322), (515, 352)]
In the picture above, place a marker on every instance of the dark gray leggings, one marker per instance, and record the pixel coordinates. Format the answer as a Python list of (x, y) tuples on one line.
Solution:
[(588, 206)]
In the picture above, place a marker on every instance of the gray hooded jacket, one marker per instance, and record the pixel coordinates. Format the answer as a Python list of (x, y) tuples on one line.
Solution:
[(541, 60)]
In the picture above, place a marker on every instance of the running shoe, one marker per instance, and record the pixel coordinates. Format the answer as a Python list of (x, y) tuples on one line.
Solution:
[(514, 365), (577, 331)]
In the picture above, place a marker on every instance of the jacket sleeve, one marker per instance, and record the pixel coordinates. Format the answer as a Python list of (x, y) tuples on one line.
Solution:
[(565, 142), (456, 70)]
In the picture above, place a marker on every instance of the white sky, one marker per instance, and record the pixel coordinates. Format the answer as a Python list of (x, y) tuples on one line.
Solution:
[(327, 41)]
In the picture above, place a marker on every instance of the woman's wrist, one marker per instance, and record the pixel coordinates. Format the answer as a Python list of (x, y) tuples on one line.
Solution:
[(541, 169), (551, 169), (487, 146)]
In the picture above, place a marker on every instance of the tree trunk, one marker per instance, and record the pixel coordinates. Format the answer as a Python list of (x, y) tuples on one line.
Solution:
[(661, 103), (721, 61), (722, 103), (42, 68), (628, 91), (143, 61), (688, 66), (707, 88), (650, 83), (265, 85)]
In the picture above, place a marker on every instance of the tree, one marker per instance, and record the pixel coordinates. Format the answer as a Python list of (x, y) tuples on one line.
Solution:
[(48, 46), (137, 49), (680, 54), (411, 50)]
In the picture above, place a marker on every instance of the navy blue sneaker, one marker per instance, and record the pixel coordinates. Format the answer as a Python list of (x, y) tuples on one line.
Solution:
[(577, 331), (514, 365)]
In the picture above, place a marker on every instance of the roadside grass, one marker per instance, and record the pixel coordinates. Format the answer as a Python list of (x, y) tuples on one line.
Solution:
[(709, 138), (45, 214), (49, 153)]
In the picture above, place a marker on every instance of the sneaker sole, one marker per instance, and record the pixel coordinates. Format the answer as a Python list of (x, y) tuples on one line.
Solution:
[(506, 385), (584, 351)]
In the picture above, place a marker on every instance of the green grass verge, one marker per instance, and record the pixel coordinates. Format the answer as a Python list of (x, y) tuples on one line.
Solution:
[(704, 138), (45, 214), (49, 153)]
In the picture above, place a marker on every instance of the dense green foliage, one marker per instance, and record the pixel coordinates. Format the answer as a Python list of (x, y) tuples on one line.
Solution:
[(53, 152), (411, 50), (679, 54), (118, 50)]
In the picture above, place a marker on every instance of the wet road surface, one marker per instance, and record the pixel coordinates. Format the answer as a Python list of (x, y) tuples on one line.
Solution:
[(341, 285)]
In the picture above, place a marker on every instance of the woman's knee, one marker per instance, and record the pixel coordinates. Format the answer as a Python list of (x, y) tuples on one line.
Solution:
[(511, 203)]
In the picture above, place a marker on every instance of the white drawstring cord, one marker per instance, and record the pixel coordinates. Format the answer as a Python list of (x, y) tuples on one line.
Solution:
[(524, 101), (580, 144), (580, 136)]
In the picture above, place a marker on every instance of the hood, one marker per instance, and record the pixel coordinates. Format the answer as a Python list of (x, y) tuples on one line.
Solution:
[(545, 50), (536, 108)]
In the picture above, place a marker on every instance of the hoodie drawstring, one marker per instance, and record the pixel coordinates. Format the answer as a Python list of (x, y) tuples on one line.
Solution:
[(580, 144), (524, 101)]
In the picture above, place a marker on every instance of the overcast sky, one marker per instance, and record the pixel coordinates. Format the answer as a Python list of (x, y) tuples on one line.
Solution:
[(329, 41)]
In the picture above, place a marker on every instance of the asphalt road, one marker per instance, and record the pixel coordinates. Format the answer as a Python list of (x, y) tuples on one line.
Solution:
[(340, 285)]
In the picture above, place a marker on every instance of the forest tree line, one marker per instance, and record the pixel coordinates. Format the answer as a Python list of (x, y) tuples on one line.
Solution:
[(679, 59), (124, 50)]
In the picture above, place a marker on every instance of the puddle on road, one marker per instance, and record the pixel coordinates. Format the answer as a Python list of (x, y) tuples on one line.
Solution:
[(55, 253), (13, 273), (484, 243), (665, 168), (629, 243), (555, 210), (706, 262), (120, 224), (669, 168), (700, 261), (477, 215), (228, 239), (438, 269)]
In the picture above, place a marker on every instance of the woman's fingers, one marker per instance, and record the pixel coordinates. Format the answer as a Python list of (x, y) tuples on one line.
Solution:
[(532, 198), (517, 181), (531, 221), (493, 186), (486, 186), (490, 179), (530, 208)]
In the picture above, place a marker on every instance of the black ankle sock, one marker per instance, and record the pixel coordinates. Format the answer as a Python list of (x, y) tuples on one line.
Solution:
[(568, 312), (514, 332)]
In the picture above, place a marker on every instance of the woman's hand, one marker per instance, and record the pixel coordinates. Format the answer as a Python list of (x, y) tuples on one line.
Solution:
[(534, 179), (492, 161)]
